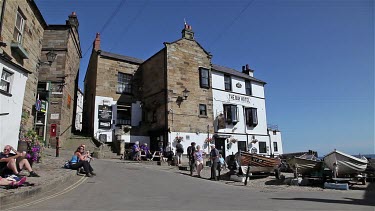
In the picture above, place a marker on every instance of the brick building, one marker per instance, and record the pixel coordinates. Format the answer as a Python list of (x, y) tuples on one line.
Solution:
[(37, 61), (58, 81), (21, 33), (166, 98)]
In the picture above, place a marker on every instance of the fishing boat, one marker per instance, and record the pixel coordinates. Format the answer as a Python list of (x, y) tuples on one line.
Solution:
[(257, 163), (305, 164), (344, 164)]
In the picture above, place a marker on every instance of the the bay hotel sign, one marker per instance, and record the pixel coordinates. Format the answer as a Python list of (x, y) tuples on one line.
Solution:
[(239, 98)]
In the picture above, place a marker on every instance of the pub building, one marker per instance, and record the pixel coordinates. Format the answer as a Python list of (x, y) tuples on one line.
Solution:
[(176, 94)]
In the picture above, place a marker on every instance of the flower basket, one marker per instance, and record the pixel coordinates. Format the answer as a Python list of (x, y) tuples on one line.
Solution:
[(179, 138), (233, 140), (208, 140)]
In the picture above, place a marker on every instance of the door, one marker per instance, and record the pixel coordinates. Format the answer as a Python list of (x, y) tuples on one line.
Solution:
[(220, 145)]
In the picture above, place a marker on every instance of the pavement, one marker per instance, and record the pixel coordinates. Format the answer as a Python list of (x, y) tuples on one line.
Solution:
[(51, 173)]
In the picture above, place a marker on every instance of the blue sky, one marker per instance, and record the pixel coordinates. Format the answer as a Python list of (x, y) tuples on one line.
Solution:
[(317, 56)]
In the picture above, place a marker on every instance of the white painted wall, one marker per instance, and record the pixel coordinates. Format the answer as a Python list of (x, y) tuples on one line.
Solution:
[(221, 97), (136, 118), (198, 138), (79, 110), (276, 138), (10, 124)]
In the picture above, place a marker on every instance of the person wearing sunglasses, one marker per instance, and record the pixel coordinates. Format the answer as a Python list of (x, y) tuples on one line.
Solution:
[(8, 164)]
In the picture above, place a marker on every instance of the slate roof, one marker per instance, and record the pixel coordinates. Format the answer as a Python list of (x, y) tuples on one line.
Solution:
[(231, 71), (121, 57)]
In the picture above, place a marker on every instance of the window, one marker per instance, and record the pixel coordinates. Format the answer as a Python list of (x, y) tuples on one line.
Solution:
[(227, 83), (251, 117), (248, 87), (19, 27), (262, 147), (5, 82), (204, 78), (124, 83), (123, 115), (231, 113), (275, 149), (242, 146), (202, 110)]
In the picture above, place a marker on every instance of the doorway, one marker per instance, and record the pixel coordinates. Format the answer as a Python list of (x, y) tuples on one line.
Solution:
[(220, 145)]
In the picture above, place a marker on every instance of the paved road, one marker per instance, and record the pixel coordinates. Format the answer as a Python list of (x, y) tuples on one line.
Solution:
[(124, 186)]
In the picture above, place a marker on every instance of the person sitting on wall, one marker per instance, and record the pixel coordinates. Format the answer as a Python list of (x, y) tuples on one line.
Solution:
[(12, 184), (79, 159), (8, 164), (146, 150), (136, 151)]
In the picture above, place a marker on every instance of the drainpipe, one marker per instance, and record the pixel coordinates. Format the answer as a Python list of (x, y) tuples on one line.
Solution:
[(2, 16)]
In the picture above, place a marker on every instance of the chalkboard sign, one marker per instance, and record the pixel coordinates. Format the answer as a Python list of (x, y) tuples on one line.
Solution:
[(105, 113)]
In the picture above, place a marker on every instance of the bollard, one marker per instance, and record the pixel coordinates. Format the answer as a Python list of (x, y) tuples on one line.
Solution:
[(57, 147)]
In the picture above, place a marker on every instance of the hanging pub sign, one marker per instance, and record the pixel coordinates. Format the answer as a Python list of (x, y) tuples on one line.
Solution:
[(105, 113), (104, 125)]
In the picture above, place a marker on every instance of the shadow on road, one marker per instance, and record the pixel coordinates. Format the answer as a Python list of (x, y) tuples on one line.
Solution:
[(368, 199)]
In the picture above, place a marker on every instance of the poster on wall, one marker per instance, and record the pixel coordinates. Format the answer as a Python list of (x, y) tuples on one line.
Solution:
[(105, 113), (55, 116)]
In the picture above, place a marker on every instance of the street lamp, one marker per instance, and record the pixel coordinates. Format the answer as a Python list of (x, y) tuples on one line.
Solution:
[(185, 93), (51, 56)]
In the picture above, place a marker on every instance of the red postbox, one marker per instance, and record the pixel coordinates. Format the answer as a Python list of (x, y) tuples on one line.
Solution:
[(53, 130)]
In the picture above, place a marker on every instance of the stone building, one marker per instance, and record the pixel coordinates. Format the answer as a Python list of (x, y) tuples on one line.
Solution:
[(21, 33), (166, 98), (58, 81), (79, 112)]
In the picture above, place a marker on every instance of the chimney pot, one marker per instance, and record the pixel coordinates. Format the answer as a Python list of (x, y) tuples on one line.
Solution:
[(96, 43), (247, 67), (243, 68)]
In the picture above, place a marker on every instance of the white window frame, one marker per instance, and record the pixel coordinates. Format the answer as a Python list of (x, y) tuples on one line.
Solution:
[(7, 81), (20, 29)]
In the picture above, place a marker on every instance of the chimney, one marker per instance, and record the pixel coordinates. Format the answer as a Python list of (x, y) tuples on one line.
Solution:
[(96, 44), (246, 69), (187, 32), (73, 20)]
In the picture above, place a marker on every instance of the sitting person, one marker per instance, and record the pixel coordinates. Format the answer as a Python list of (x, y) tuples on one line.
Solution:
[(136, 151), (147, 151), (12, 184), (8, 164), (88, 157), (80, 160)]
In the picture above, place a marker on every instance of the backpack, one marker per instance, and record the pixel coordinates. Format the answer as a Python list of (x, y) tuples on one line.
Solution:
[(179, 148), (67, 165)]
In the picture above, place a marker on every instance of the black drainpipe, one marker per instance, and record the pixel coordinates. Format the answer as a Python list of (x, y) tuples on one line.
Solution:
[(2, 16), (166, 133)]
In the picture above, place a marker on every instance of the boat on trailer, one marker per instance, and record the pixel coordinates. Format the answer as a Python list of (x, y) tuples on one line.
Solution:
[(305, 164), (257, 163), (343, 164)]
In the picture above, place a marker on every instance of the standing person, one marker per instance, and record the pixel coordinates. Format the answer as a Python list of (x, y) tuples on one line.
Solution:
[(168, 153), (179, 152), (198, 156), (8, 164), (214, 156), (190, 154), (136, 151)]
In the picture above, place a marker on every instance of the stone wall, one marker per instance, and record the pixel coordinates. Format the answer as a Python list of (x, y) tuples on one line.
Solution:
[(32, 43), (184, 58), (153, 92), (106, 84), (89, 95)]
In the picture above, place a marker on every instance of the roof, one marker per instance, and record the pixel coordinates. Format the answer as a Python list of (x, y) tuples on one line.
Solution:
[(9, 61), (121, 57), (235, 72)]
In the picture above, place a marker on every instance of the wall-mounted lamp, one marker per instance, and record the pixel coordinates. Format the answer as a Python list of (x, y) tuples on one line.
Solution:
[(185, 95), (51, 56)]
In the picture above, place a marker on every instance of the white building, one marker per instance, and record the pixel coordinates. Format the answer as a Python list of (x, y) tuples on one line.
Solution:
[(240, 113), (79, 110), (12, 90)]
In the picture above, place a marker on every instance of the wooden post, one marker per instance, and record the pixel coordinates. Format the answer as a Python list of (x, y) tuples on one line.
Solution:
[(248, 171)]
